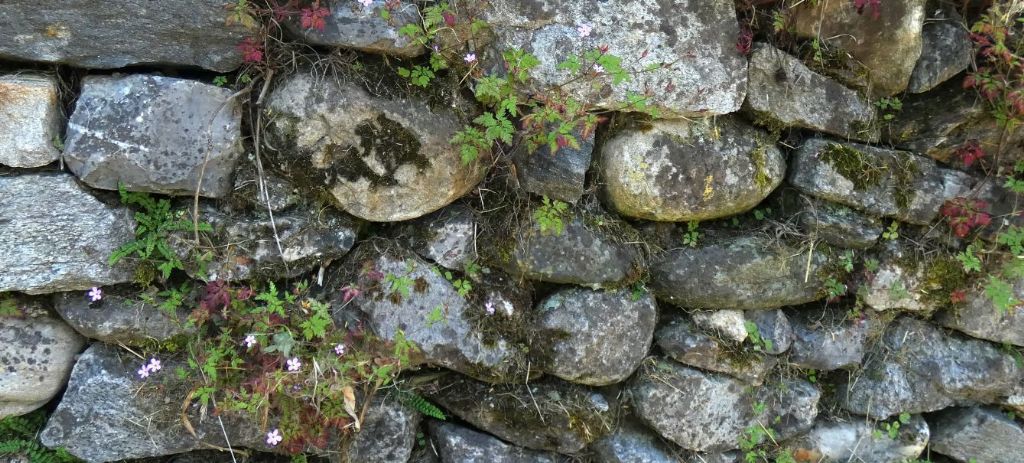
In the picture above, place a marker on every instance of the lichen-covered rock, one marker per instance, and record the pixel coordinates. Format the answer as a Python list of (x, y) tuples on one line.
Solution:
[(387, 435), (833, 441), (839, 225), (403, 293), (826, 341), (876, 180), (919, 368), (36, 356), (977, 434), (84, 33), (773, 328), (30, 120), (558, 175), (381, 159), (593, 337), (268, 191), (946, 50), (910, 282), (352, 25), (728, 324), (978, 317), (702, 72), (633, 443), (59, 248), (1015, 398), (742, 273), (107, 414), (587, 252), (118, 318), (710, 412), (544, 415), (681, 170), (447, 237), (885, 40), (457, 444), (787, 92), (156, 134), (687, 345)]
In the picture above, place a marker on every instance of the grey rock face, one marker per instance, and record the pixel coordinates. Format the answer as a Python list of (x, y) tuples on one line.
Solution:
[(978, 317), (946, 50), (382, 160), (683, 170), (824, 341), (558, 175), (684, 344), (546, 415), (979, 434), (840, 442), (351, 25), (108, 414), (154, 134), (30, 120), (839, 225), (783, 89), (273, 192), (919, 368), (583, 254), (84, 33), (728, 324), (774, 329), (447, 237), (117, 319), (742, 273), (709, 412), (450, 330), (902, 281), (457, 444), (880, 181), (1015, 398), (63, 246), (632, 443), (887, 46), (593, 337), (36, 356), (388, 434), (697, 40)]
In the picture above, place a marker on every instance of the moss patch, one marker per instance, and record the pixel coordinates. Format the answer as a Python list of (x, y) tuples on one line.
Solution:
[(861, 169), (759, 156), (904, 176), (942, 276), (384, 141)]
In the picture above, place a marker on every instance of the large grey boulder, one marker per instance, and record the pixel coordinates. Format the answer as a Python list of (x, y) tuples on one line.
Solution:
[(387, 435), (885, 41), (919, 368), (748, 272), (879, 181), (401, 293), (946, 50), (977, 316), (30, 120), (447, 237), (826, 341), (381, 159), (832, 441), (457, 444), (36, 356), (681, 170), (352, 25), (633, 443), (784, 90), (593, 337), (119, 317), (977, 434), (839, 225), (156, 134), (84, 33), (542, 415), (559, 175), (702, 74), (60, 248), (689, 346), (710, 412)]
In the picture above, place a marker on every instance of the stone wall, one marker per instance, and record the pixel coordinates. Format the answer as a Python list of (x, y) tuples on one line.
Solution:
[(757, 268)]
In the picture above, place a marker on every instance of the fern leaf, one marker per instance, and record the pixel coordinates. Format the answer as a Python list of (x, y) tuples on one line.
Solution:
[(418, 403)]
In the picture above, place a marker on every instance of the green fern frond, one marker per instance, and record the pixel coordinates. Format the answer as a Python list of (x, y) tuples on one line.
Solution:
[(420, 404)]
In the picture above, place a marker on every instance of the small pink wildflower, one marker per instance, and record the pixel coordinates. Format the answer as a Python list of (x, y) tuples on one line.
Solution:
[(339, 349), (149, 368), (598, 69), (95, 294), (584, 29), (249, 341), (489, 307), (274, 437), (470, 58), (349, 292), (144, 372), (294, 364), (366, 3), (154, 365)]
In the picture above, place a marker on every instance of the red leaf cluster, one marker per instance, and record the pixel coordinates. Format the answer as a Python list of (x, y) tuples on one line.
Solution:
[(313, 16), (970, 152), (965, 215), (958, 296), (875, 5), (745, 40), (252, 51)]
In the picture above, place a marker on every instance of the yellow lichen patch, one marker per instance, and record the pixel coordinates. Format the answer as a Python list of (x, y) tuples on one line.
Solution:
[(709, 190)]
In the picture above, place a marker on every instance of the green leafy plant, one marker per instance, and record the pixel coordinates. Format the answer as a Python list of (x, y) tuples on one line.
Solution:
[(834, 288), (549, 216), (761, 344), (846, 260), (969, 261), (893, 232), (19, 437), (892, 428), (691, 235), (889, 106), (420, 404)]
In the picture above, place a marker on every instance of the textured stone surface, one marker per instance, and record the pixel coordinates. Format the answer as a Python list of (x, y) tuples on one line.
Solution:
[(36, 356), (545, 415), (156, 134), (55, 236), (84, 33), (978, 434), (728, 324), (979, 317), (839, 225), (30, 120), (695, 40), (457, 444), (382, 160), (273, 191), (683, 170), (946, 50), (919, 368), (784, 90), (558, 175), (833, 441), (593, 337), (825, 341), (117, 318), (876, 180), (352, 25), (388, 434), (774, 329), (687, 345), (447, 237), (738, 273), (888, 45), (633, 443), (902, 281)]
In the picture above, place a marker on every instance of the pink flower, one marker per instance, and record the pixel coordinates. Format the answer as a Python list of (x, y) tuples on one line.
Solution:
[(598, 69), (144, 372), (339, 349), (470, 58), (349, 292), (294, 364), (366, 3), (148, 368), (249, 341), (584, 29), (489, 307), (154, 365), (95, 294), (274, 437)]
